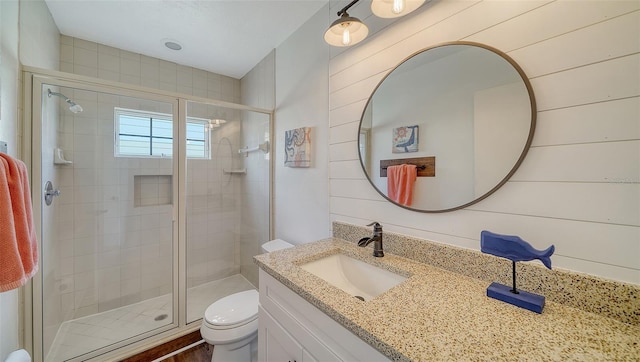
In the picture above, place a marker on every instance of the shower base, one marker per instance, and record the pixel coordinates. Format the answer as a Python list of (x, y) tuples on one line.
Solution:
[(83, 335)]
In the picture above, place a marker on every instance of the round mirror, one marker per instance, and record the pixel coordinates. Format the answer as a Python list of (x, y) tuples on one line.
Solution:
[(463, 113)]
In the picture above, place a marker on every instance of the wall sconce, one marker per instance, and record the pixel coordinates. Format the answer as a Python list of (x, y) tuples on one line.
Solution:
[(348, 30)]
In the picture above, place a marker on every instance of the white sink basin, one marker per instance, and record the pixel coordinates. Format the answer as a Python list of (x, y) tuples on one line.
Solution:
[(353, 276)]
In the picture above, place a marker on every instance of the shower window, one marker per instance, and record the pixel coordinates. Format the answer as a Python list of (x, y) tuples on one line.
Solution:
[(149, 134)]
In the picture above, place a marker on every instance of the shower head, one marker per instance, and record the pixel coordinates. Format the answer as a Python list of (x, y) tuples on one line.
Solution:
[(73, 107)]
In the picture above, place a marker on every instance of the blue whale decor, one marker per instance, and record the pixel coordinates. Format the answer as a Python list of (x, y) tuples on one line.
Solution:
[(515, 249)]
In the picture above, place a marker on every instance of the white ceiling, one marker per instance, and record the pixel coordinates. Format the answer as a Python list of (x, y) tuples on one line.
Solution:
[(227, 37)]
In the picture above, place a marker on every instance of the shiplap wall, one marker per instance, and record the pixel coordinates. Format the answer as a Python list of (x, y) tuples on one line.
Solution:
[(579, 186)]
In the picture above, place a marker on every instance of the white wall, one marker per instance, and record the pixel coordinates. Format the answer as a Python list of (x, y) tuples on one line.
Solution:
[(579, 187), (20, 23), (9, 75), (301, 203), (39, 36), (39, 47)]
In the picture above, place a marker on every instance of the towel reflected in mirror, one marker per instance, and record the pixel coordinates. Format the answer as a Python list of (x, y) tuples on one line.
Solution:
[(400, 181)]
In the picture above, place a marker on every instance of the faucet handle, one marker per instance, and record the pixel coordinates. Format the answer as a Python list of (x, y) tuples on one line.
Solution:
[(377, 237), (376, 226)]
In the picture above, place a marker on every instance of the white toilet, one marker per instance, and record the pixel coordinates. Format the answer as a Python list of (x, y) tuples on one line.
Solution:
[(18, 356), (231, 323)]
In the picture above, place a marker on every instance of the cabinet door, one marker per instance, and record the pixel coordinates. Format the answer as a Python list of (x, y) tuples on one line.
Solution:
[(276, 344), (320, 337)]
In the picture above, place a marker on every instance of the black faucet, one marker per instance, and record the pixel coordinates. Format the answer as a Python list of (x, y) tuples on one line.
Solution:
[(377, 238)]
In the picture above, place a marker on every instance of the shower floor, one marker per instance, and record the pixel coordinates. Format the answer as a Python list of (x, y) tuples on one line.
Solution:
[(83, 335)]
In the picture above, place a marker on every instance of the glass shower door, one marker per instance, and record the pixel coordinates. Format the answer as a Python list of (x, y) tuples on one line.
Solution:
[(227, 202), (107, 238)]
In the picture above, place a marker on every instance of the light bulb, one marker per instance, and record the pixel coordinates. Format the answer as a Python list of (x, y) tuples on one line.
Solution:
[(398, 6), (345, 31), (346, 36), (394, 8)]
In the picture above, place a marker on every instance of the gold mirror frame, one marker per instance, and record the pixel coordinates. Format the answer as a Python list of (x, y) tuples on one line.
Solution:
[(517, 164)]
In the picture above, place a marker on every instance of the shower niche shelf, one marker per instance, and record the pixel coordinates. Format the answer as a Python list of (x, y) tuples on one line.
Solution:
[(239, 171), (152, 190)]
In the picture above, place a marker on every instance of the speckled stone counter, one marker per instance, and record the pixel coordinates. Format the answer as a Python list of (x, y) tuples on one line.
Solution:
[(589, 293), (440, 315)]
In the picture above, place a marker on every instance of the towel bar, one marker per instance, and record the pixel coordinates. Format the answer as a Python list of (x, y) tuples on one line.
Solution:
[(425, 166), (421, 167)]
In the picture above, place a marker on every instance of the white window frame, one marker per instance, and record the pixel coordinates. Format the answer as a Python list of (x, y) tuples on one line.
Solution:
[(118, 112)]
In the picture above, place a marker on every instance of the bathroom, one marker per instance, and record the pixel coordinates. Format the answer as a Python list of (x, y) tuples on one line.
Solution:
[(577, 188)]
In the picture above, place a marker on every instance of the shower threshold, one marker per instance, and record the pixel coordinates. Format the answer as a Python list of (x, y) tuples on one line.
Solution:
[(83, 335)]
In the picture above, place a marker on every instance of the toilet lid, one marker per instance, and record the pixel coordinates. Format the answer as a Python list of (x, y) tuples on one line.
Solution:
[(237, 308)]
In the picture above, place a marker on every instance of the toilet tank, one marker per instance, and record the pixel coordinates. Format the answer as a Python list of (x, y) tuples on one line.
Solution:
[(273, 245), (18, 356)]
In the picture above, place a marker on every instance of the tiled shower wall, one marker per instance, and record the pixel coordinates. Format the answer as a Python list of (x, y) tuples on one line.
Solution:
[(213, 202), (82, 57), (110, 253), (257, 90), (111, 250)]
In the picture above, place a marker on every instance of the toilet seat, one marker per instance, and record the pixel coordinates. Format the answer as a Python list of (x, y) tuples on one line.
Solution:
[(231, 323), (232, 311)]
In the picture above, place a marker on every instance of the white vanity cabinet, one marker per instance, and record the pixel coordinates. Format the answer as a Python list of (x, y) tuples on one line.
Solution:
[(291, 329), (279, 345)]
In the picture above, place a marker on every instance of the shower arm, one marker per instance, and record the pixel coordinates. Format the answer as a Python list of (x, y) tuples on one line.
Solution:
[(66, 99), (73, 106)]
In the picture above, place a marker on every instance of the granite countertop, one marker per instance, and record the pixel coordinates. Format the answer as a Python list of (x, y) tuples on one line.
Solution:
[(440, 315)]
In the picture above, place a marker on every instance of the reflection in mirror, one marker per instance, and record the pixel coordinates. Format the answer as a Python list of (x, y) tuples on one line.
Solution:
[(475, 113)]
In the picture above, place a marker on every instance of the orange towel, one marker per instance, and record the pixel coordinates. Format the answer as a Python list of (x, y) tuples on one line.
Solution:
[(18, 244), (400, 180)]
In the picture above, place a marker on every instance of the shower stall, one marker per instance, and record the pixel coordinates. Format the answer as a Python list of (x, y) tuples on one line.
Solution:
[(148, 209)]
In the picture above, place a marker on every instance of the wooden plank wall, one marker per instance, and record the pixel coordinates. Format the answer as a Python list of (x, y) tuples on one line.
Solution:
[(579, 186)]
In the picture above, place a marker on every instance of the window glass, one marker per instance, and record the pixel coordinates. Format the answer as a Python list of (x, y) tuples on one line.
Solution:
[(148, 134)]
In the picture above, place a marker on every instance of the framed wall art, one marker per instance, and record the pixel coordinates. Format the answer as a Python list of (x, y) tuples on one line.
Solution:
[(297, 147), (405, 139)]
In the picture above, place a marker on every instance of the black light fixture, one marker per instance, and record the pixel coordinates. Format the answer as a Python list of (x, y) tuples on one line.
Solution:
[(347, 30)]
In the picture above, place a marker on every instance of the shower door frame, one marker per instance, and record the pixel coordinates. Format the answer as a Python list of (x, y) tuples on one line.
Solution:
[(33, 79), (36, 146)]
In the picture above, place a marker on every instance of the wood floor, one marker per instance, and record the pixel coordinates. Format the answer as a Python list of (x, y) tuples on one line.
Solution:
[(200, 353)]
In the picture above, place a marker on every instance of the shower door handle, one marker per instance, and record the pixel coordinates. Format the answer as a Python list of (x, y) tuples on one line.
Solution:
[(49, 193)]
